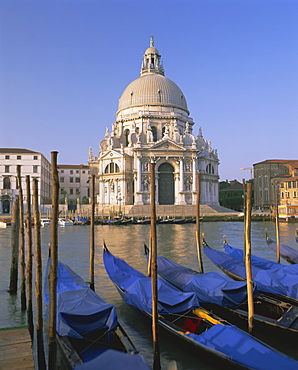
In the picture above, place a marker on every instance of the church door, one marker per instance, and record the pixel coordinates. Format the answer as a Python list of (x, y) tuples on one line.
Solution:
[(166, 184), (6, 206)]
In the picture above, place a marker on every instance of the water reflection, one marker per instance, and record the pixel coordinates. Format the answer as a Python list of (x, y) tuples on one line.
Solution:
[(175, 241)]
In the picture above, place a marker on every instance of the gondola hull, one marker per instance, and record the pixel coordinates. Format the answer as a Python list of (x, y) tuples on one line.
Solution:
[(87, 329), (202, 332), (287, 253), (228, 299), (279, 283)]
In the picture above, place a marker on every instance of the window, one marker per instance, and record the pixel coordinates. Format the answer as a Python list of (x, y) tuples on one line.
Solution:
[(154, 133), (62, 191), (19, 157), (112, 168), (126, 134), (61, 179), (71, 172), (83, 171), (7, 157), (71, 179), (62, 171), (77, 191), (6, 169), (35, 157), (77, 179), (6, 183), (282, 195), (71, 191), (294, 194), (77, 171), (210, 169), (35, 169)]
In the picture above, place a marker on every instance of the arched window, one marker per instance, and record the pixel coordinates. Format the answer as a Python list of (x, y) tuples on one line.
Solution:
[(163, 130), (154, 133), (6, 183), (210, 169), (112, 168), (126, 133)]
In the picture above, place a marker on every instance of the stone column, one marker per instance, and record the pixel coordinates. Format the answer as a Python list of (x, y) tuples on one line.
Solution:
[(139, 174), (108, 192), (194, 171), (156, 189), (181, 175), (139, 199), (182, 194), (101, 191)]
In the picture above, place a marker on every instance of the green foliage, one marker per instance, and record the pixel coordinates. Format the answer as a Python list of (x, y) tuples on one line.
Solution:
[(85, 200)]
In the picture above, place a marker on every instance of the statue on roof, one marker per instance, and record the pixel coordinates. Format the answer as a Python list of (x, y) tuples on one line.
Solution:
[(151, 41)]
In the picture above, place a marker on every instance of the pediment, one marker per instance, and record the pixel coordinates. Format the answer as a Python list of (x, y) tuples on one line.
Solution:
[(167, 145), (111, 154)]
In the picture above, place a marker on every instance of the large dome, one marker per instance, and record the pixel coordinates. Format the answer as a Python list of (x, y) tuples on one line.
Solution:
[(152, 89)]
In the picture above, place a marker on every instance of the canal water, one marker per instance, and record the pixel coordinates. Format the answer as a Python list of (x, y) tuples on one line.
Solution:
[(175, 241)]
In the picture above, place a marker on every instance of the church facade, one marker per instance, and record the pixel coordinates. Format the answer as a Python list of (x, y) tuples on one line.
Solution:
[(153, 124)]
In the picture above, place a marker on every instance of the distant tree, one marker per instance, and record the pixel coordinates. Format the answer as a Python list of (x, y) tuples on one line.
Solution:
[(64, 194), (85, 200)]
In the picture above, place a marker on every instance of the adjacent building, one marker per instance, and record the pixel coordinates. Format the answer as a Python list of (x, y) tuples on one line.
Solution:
[(231, 195), (270, 173), (153, 125), (74, 185), (289, 191), (33, 164)]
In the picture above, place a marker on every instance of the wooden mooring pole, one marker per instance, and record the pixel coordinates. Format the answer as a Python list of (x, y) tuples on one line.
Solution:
[(22, 241), (91, 253), (38, 280), (54, 264), (277, 224), (198, 239), (29, 263), (248, 257), (155, 331), (15, 238)]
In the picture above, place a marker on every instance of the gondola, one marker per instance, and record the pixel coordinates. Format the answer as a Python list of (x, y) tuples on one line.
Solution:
[(89, 335), (280, 283), (228, 299), (286, 252), (204, 333)]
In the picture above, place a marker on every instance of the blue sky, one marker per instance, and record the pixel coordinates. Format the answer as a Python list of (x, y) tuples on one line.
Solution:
[(64, 65)]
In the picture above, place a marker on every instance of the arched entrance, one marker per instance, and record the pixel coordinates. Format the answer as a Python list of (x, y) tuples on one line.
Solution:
[(6, 204), (166, 184)]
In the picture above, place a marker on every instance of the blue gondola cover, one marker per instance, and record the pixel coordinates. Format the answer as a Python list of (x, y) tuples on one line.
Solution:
[(283, 281), (138, 291), (210, 287), (79, 309), (243, 348)]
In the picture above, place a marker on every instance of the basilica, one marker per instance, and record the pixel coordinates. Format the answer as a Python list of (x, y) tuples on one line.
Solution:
[(153, 124)]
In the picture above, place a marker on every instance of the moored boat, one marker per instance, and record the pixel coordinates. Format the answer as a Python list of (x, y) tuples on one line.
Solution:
[(62, 222), (204, 333), (286, 252), (89, 335), (44, 222), (281, 283), (228, 299)]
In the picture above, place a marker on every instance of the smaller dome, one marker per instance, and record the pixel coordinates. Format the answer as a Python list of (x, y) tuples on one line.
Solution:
[(152, 50)]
